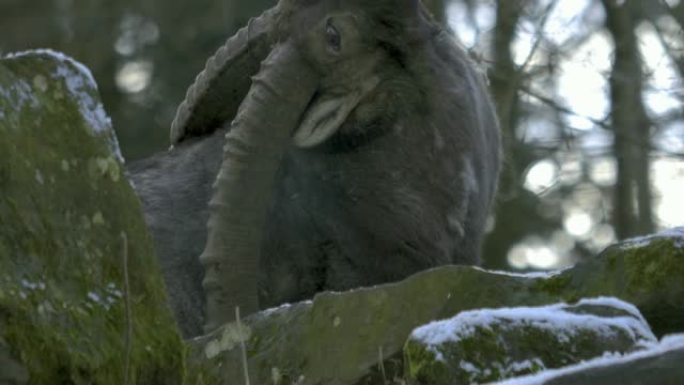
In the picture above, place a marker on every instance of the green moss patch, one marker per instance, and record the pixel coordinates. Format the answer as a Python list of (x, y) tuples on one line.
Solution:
[(64, 208)]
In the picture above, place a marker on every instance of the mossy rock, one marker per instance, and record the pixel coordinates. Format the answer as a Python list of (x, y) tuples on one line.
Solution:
[(646, 271), (659, 364), (356, 337), (65, 210), (13, 372), (481, 346)]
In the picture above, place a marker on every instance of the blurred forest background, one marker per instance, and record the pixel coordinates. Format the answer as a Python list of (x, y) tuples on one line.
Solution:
[(588, 92)]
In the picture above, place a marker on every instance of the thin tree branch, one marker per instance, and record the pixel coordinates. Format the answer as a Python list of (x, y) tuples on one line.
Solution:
[(557, 106), (539, 35)]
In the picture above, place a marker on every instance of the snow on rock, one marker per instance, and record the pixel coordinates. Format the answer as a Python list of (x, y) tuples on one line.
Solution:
[(620, 365), (532, 274), (68, 220), (281, 308), (558, 317), (21, 93), (80, 85), (676, 233), (59, 57), (493, 344)]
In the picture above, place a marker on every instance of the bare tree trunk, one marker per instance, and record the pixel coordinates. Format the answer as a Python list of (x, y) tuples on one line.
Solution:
[(512, 198), (632, 213), (504, 87)]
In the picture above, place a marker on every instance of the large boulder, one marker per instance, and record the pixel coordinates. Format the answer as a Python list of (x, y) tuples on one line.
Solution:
[(81, 299), (357, 336), (486, 345)]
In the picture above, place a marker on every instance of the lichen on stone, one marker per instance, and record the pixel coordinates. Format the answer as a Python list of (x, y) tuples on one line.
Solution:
[(62, 293), (492, 344)]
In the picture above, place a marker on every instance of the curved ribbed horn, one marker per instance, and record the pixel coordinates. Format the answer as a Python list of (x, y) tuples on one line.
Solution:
[(218, 90)]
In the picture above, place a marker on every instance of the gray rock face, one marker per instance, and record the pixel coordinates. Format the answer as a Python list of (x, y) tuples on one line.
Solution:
[(63, 208), (486, 345)]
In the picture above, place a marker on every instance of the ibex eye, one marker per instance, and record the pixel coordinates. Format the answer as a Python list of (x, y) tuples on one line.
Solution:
[(332, 37)]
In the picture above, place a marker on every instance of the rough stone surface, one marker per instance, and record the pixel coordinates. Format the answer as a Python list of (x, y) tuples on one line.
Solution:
[(660, 364), (646, 271), (487, 345), (338, 338), (63, 209), (11, 371)]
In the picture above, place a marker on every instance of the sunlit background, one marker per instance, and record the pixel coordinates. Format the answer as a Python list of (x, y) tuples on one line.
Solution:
[(582, 91)]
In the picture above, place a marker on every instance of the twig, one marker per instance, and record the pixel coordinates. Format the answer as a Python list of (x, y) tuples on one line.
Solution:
[(128, 341), (381, 360), (557, 106), (538, 36), (242, 345)]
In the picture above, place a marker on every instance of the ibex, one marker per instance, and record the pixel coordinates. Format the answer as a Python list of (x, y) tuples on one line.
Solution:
[(365, 148)]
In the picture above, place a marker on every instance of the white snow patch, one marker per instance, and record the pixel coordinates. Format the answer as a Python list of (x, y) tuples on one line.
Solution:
[(58, 56), (507, 370), (534, 274), (92, 110), (667, 344), (81, 85), (107, 299), (510, 369), (677, 233), (94, 297), (467, 366), (557, 318), (519, 366), (283, 307), (277, 309), (21, 95), (614, 303), (113, 290), (30, 285)]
